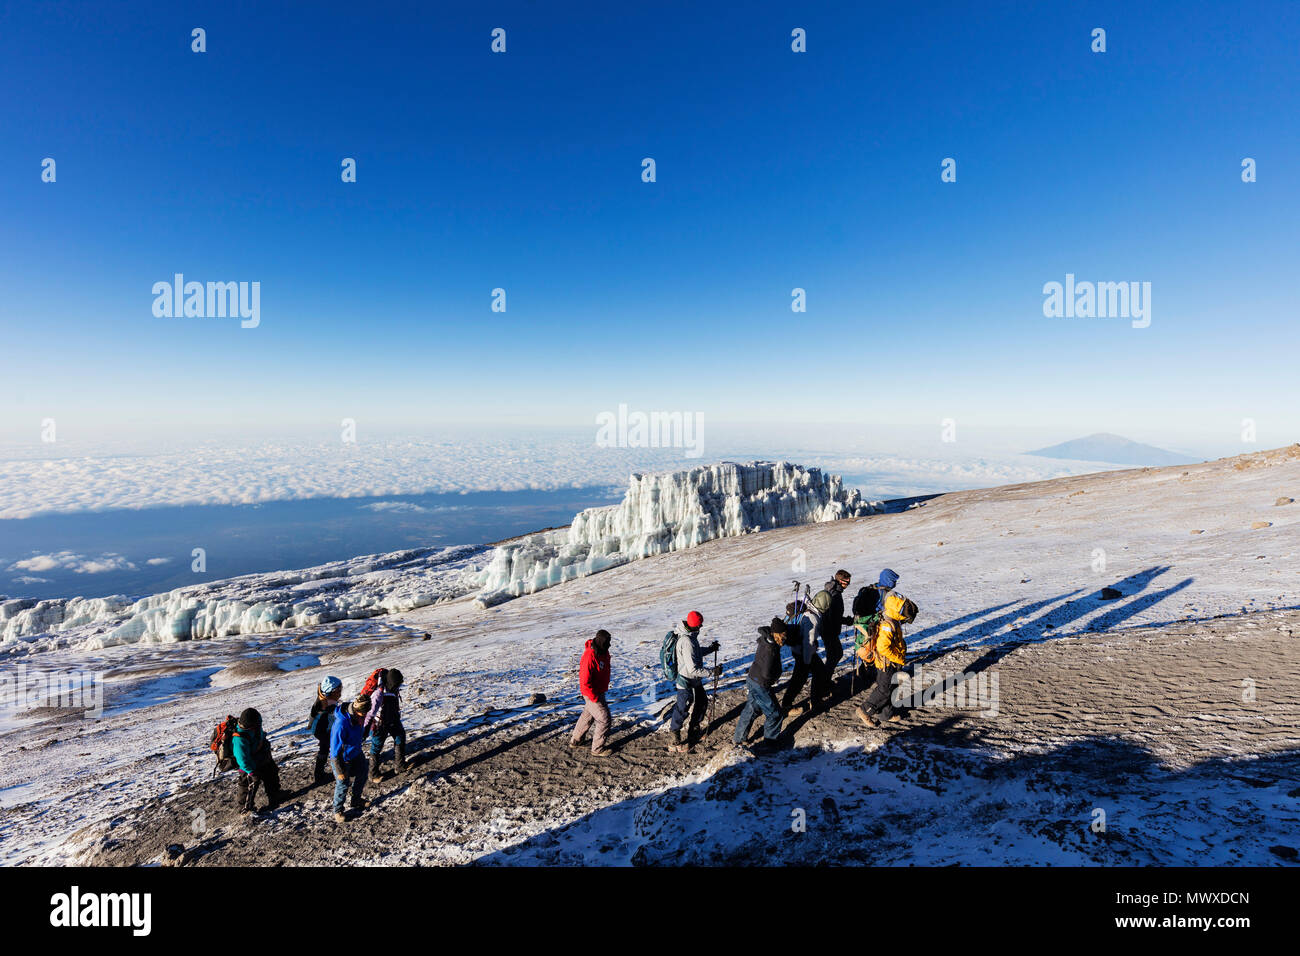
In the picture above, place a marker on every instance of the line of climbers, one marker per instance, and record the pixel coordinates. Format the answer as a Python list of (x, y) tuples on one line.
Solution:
[(346, 730), (877, 616)]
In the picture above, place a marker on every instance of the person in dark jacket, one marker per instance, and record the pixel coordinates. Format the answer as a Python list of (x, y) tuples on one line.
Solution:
[(321, 718), (829, 605), (762, 677), (801, 638), (385, 720), (252, 752), (593, 681), (347, 754)]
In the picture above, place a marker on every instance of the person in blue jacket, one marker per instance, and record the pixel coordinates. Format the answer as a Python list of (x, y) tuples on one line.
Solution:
[(347, 755), (252, 753)]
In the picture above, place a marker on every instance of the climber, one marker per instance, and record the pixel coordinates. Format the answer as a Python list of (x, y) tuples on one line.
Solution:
[(689, 673), (593, 681), (829, 607)]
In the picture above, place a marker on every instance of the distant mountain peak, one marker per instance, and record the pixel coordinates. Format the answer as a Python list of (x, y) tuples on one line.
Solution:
[(1112, 449)]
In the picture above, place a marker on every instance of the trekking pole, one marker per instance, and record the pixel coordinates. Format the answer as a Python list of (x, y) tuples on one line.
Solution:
[(713, 699)]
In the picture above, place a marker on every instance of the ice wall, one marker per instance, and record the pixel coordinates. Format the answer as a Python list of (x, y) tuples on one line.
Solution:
[(342, 590), (669, 512)]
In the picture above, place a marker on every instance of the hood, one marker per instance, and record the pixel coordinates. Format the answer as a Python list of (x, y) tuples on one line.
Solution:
[(681, 630)]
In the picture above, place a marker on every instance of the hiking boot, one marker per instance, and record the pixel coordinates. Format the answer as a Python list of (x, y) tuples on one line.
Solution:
[(602, 752), (866, 718), (895, 718), (374, 767), (340, 818), (360, 804), (575, 744), (766, 746), (676, 744)]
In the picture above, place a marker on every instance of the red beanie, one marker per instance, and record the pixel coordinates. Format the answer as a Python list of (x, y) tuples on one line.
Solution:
[(694, 620)]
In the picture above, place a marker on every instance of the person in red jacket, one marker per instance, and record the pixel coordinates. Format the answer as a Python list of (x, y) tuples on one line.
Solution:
[(593, 677)]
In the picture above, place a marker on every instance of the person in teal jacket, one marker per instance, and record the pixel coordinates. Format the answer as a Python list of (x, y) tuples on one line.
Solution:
[(252, 752)]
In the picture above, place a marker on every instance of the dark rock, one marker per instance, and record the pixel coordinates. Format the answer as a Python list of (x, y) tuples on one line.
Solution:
[(1285, 852), (1110, 594), (536, 699)]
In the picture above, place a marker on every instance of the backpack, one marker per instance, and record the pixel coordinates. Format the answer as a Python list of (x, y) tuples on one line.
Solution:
[(668, 657), (866, 601), (900, 608), (374, 681), (222, 744)]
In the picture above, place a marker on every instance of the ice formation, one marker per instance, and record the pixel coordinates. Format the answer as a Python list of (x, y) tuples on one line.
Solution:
[(342, 590), (668, 512)]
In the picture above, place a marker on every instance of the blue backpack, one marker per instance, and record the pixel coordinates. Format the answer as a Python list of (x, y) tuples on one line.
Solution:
[(668, 657)]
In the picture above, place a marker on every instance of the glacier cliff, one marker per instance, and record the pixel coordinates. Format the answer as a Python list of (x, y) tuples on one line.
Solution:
[(668, 512)]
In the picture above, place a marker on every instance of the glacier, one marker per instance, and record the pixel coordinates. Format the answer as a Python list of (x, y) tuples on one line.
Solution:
[(357, 588), (669, 512), (661, 512)]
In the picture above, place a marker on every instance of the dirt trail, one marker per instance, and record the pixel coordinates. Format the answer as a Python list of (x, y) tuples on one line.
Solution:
[(1156, 726)]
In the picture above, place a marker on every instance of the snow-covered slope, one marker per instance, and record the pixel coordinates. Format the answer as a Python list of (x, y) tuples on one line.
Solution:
[(669, 512), (996, 572)]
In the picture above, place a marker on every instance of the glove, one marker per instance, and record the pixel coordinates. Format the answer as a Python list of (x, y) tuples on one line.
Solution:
[(337, 766), (717, 671), (713, 648)]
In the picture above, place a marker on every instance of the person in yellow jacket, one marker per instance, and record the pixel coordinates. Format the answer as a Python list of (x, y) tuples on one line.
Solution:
[(888, 652)]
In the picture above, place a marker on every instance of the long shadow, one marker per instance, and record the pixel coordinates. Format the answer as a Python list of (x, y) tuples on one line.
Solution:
[(934, 795)]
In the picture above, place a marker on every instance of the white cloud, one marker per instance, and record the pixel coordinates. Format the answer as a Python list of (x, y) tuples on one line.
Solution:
[(71, 561), (99, 478), (156, 561), (402, 507)]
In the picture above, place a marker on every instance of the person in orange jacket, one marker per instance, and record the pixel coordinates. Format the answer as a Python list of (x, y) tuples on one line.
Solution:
[(888, 653), (593, 679)]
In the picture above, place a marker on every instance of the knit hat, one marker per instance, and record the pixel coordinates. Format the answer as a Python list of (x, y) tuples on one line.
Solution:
[(330, 686), (777, 626), (392, 679), (250, 719), (694, 620)]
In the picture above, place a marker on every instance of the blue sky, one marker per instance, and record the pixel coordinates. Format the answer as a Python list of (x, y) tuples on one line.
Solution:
[(775, 170)]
